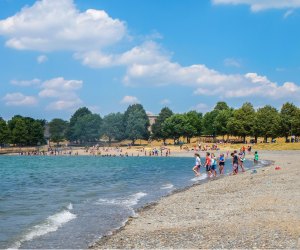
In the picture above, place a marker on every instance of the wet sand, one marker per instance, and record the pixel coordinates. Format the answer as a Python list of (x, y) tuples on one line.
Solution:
[(250, 210)]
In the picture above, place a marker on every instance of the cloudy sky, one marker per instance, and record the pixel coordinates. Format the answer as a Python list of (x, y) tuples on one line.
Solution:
[(59, 55)]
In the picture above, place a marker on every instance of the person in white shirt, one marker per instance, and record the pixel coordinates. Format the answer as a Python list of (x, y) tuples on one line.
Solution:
[(198, 164)]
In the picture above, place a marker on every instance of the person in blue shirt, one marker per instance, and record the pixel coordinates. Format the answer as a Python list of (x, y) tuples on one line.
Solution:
[(221, 163)]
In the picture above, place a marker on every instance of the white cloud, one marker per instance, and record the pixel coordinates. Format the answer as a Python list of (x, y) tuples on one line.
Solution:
[(165, 101), (288, 13), (65, 104), (18, 99), (62, 90), (259, 5), (232, 62), (149, 64), (129, 100), (26, 83), (42, 59), (201, 107), (50, 25)]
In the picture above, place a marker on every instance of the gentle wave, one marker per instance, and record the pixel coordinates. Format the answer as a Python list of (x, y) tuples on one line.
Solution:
[(128, 201), (167, 186), (199, 178), (51, 224)]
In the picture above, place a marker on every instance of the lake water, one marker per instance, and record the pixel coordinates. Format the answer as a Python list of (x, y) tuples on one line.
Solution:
[(69, 202)]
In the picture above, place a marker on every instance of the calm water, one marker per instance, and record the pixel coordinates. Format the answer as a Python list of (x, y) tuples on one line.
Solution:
[(68, 202)]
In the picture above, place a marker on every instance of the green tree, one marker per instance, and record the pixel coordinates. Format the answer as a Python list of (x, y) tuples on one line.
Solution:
[(136, 123), (113, 126), (70, 133), (88, 128), (242, 121), (4, 132), (289, 119), (178, 125), (194, 119), (221, 122), (267, 122), (57, 129), (19, 131), (157, 131)]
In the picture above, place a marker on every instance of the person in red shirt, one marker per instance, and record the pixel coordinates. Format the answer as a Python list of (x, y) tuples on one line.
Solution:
[(208, 164)]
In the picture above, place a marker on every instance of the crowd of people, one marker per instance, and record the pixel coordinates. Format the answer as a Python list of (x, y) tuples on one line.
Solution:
[(215, 164)]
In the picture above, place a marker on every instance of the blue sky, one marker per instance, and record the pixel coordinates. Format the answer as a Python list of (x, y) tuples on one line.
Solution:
[(59, 55)]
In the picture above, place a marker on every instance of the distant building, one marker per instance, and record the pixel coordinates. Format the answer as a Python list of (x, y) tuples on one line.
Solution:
[(152, 119)]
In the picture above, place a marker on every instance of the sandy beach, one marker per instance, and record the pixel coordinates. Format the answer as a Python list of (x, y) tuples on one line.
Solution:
[(250, 210)]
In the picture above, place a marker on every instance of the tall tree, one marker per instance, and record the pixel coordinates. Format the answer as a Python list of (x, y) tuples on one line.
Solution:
[(4, 132), (195, 120), (289, 118), (70, 133), (19, 131), (136, 123), (113, 126), (221, 121), (242, 121), (157, 131), (267, 122), (57, 129), (88, 128)]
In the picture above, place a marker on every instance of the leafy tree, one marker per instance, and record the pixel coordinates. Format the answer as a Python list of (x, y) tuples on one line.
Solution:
[(4, 132), (267, 122), (157, 131), (195, 120), (221, 121), (113, 126), (242, 121), (209, 123), (136, 123), (88, 128), (19, 131), (289, 119), (221, 106), (70, 133), (178, 125), (57, 129)]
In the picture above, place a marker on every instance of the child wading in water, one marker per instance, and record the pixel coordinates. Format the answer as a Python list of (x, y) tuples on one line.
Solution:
[(256, 157), (235, 162), (221, 163), (213, 164), (208, 164), (198, 164)]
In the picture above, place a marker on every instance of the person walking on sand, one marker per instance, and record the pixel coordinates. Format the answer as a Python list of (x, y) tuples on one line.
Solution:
[(221, 163), (208, 164), (198, 164), (255, 157), (213, 164), (235, 162), (241, 160)]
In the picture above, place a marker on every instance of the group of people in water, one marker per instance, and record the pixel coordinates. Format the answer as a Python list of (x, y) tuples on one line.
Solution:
[(215, 164)]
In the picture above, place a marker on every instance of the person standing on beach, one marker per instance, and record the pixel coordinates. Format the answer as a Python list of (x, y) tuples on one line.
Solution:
[(255, 157), (213, 164), (221, 163), (235, 161), (208, 164), (198, 164), (241, 160)]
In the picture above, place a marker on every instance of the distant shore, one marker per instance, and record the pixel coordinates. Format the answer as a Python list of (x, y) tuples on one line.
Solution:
[(250, 210)]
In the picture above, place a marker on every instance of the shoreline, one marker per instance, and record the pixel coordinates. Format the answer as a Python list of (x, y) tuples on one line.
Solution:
[(117, 238)]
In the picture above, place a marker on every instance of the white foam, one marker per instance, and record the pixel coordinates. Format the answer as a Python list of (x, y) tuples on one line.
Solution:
[(167, 186), (51, 224), (199, 178), (70, 206), (128, 201)]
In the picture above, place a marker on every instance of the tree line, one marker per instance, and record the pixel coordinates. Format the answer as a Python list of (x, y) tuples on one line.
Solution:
[(133, 124)]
